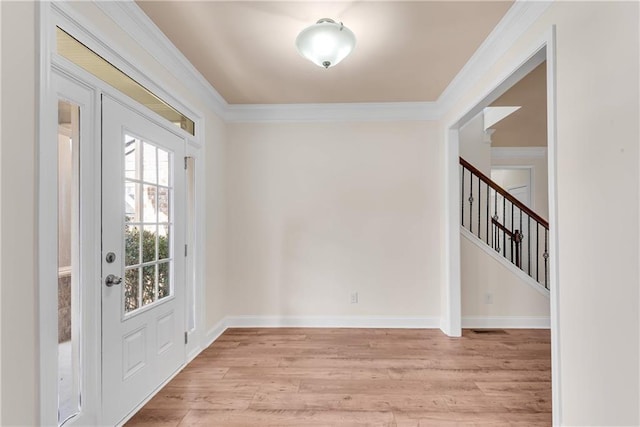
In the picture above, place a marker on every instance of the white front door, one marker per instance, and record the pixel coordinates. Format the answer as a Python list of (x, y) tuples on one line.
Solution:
[(143, 292)]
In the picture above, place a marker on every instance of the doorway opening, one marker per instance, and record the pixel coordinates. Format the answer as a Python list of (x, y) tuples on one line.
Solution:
[(542, 51)]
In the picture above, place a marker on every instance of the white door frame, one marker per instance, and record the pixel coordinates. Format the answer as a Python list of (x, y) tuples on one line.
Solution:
[(544, 48), (532, 171), (50, 15)]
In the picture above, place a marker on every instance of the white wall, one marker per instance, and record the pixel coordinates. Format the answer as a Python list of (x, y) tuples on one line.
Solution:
[(367, 217), (511, 296), (215, 222), (19, 366), (317, 211), (597, 181), (472, 147)]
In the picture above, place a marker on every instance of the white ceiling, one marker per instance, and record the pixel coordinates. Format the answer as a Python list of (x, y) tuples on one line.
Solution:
[(406, 51)]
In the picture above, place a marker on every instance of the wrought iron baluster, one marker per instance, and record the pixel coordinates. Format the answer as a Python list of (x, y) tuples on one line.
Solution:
[(520, 237), (545, 255), (528, 245), (471, 202), (462, 197), (495, 215), (496, 224), (512, 242), (537, 252), (479, 205), (487, 230), (504, 235), (517, 237)]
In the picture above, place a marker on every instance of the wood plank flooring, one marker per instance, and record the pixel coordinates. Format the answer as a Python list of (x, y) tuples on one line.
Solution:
[(357, 377)]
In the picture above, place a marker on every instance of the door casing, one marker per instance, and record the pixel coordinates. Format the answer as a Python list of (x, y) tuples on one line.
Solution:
[(50, 15)]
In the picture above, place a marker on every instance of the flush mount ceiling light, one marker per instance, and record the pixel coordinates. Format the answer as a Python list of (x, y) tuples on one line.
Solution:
[(326, 42)]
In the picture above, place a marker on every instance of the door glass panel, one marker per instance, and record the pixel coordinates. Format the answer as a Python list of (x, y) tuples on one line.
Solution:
[(150, 164), (131, 153), (163, 168), (163, 280), (68, 261), (148, 251), (149, 241), (163, 242), (150, 206), (131, 286), (148, 284), (131, 199), (132, 244)]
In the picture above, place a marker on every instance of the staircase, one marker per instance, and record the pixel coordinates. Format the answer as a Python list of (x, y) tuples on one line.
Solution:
[(505, 224)]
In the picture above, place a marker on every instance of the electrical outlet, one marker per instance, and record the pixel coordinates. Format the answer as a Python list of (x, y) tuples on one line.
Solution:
[(354, 298), (488, 298)]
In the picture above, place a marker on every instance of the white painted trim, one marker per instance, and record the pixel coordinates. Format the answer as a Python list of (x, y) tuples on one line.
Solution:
[(518, 152), (248, 321), (151, 396), (519, 67), (332, 322), (114, 53), (215, 332), (451, 296), (539, 50), (506, 322), (524, 277), (46, 193), (554, 246), (61, 14), (133, 21), (514, 23), (451, 288), (138, 25), (365, 112)]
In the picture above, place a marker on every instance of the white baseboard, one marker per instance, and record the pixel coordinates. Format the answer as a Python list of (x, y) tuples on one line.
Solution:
[(213, 333), (507, 322), (502, 322), (332, 322), (318, 322)]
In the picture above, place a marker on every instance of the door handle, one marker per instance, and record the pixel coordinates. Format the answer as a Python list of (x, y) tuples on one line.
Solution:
[(112, 280)]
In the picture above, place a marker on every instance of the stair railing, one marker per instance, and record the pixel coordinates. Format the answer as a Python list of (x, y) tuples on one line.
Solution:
[(504, 223)]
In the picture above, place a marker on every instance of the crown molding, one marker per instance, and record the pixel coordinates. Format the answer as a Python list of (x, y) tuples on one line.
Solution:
[(365, 112), (518, 152), (513, 24), (132, 20)]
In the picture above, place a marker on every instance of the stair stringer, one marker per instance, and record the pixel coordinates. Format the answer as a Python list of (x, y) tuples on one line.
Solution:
[(495, 293), (506, 263)]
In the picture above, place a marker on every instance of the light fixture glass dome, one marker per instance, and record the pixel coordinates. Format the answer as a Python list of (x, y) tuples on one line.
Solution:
[(326, 42)]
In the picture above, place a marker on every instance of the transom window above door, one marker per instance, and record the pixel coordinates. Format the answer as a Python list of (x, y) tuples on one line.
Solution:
[(76, 52)]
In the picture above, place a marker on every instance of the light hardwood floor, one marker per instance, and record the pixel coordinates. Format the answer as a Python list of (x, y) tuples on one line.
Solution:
[(377, 377)]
